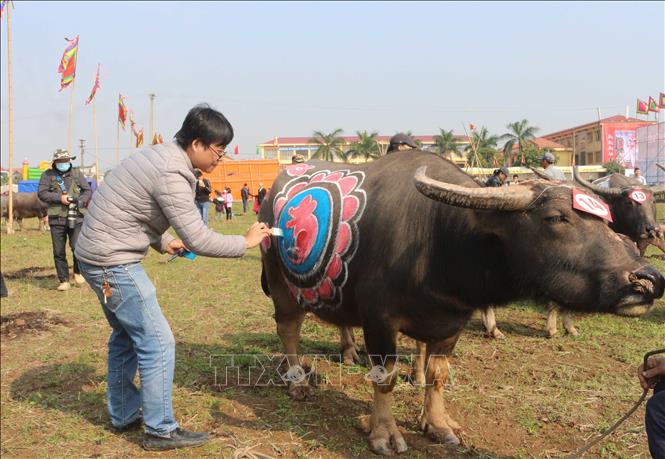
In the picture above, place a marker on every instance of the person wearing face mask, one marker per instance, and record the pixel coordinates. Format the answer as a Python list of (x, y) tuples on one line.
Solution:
[(148, 193), (59, 187)]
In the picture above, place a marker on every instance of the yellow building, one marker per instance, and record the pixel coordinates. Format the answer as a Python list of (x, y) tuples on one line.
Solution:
[(283, 148)]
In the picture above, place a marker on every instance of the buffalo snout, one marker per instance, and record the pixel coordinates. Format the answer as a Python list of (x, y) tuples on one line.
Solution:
[(648, 281)]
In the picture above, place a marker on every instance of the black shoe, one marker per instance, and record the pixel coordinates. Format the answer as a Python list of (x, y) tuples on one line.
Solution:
[(178, 438), (132, 425)]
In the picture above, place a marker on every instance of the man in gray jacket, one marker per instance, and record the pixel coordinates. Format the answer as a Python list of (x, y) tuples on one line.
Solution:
[(149, 192)]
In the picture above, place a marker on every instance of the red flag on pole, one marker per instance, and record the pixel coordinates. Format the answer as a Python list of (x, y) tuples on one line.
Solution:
[(661, 103), (235, 150), (67, 67), (642, 107), (122, 111), (94, 88)]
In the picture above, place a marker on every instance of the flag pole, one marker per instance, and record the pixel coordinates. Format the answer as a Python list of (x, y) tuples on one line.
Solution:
[(117, 143), (94, 129), (71, 111), (10, 204)]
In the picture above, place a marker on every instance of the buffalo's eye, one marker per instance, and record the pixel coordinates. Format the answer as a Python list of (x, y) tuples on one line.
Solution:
[(556, 219)]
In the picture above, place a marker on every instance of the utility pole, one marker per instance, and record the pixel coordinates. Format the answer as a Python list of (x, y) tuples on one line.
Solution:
[(152, 116), (82, 147)]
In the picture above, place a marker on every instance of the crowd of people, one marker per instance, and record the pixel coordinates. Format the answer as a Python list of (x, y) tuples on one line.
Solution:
[(150, 192)]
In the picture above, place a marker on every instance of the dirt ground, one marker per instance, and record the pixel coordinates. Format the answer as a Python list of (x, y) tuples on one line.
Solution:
[(525, 396)]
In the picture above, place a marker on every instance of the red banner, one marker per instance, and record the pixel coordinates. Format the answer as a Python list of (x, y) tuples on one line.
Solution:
[(620, 143)]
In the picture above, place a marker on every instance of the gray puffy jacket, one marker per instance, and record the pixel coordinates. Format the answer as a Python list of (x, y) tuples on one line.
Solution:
[(139, 200)]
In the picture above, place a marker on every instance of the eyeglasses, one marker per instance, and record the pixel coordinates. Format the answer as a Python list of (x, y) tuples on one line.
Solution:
[(220, 153)]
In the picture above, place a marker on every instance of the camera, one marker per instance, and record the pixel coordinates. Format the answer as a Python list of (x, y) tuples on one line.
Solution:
[(72, 212)]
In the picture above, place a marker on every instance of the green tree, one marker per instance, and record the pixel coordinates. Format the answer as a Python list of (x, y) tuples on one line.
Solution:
[(485, 145), (522, 135), (531, 155), (366, 146), (445, 144), (330, 146), (614, 167)]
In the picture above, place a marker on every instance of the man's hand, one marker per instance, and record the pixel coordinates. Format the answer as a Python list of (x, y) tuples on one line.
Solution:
[(655, 367), (63, 200), (175, 246), (255, 234)]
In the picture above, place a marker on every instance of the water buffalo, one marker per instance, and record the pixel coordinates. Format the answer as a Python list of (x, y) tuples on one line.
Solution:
[(25, 205), (363, 246), (634, 219)]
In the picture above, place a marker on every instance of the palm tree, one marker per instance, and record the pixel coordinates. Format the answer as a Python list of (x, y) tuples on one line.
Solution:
[(330, 145), (366, 146), (521, 134), (485, 146), (444, 143)]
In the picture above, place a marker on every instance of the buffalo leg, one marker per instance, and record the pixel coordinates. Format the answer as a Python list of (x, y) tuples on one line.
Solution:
[(552, 314), (288, 329), (567, 319), (436, 422), (489, 321), (420, 363), (349, 346), (380, 341)]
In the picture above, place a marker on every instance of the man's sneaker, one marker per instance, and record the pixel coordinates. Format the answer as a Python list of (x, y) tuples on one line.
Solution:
[(179, 438), (79, 279), (135, 423), (63, 286)]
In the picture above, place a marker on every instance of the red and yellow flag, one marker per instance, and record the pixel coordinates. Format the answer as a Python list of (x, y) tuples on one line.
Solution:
[(653, 106), (642, 107), (661, 103), (122, 111), (139, 138), (67, 67), (94, 88)]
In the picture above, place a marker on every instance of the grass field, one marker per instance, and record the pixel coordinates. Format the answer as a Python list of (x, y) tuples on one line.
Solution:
[(525, 396)]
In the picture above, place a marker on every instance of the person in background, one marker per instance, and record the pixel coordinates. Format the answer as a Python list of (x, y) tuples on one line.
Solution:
[(498, 178), (218, 201), (260, 195), (229, 204), (515, 180), (244, 195), (149, 192), (202, 195), (653, 376), (401, 142), (639, 176), (59, 187), (547, 161)]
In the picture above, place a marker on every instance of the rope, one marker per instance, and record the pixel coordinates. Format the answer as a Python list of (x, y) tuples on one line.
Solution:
[(582, 451)]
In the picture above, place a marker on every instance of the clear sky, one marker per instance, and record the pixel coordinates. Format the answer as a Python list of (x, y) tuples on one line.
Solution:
[(287, 69)]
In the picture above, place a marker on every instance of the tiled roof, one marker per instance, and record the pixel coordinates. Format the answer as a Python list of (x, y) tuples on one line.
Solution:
[(609, 120)]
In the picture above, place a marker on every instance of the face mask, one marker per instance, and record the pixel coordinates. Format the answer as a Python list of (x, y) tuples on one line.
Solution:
[(63, 167)]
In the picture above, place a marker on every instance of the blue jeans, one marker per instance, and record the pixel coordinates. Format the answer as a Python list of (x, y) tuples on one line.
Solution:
[(141, 338), (655, 421), (203, 210)]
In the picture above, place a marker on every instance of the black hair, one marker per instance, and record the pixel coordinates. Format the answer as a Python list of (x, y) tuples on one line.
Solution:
[(206, 124)]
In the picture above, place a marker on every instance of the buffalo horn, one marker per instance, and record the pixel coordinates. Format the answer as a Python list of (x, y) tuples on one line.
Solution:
[(606, 192), (501, 198)]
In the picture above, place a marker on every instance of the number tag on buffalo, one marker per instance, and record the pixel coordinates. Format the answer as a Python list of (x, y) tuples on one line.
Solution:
[(639, 196), (591, 205)]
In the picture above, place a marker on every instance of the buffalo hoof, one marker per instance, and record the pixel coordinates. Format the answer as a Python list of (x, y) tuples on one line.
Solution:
[(441, 432), (552, 333), (386, 440), (350, 356), (299, 392), (573, 331), (496, 334)]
